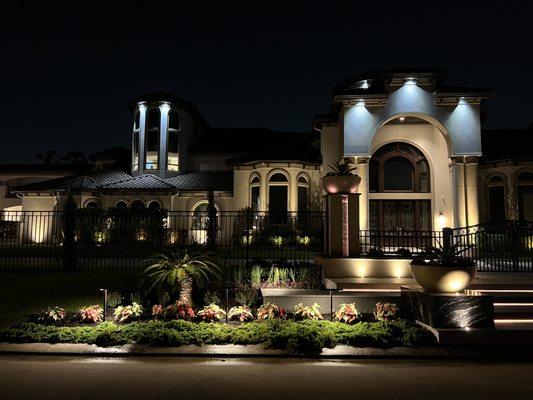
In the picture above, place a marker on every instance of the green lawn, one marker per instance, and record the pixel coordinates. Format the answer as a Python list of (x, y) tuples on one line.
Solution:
[(25, 294)]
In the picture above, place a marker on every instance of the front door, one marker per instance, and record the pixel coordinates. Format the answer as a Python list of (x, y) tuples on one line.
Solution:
[(400, 215)]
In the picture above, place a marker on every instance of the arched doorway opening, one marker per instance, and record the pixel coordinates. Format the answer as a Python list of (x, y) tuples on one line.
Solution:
[(400, 189)]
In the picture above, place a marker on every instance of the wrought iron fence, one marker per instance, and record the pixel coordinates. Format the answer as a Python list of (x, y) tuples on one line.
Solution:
[(498, 247), (120, 240), (117, 239), (401, 243)]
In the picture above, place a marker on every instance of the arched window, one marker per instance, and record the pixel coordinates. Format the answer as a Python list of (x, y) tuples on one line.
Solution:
[(135, 148), (152, 139), (303, 193), (154, 205), (92, 204), (153, 118), (121, 204), (399, 167), (137, 121), (278, 196), (496, 198), (137, 205), (173, 141), (173, 120), (524, 183), (200, 221), (255, 190)]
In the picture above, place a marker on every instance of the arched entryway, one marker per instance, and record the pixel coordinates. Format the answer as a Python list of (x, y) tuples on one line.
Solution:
[(399, 185)]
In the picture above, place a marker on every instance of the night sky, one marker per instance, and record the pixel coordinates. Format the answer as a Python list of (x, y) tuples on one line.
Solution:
[(67, 75)]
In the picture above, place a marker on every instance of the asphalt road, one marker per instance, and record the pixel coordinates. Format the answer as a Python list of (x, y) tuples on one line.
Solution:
[(23, 377)]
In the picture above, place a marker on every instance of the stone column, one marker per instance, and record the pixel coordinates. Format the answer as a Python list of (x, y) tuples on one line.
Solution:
[(457, 191), (472, 205), (362, 171), (263, 188), (511, 201)]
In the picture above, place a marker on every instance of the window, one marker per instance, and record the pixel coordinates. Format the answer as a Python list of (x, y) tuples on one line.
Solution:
[(525, 195), (137, 121), (91, 204), (496, 198), (303, 194), (152, 149), (399, 167), (173, 120), (135, 150), (173, 151), (278, 195), (137, 205), (255, 187), (153, 119), (201, 216), (154, 205), (121, 204)]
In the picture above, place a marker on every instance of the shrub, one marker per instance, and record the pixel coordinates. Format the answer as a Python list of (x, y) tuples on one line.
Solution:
[(127, 313), (246, 295), (211, 313), (180, 310), (385, 311), (304, 312), (271, 311), (303, 240), (91, 314), (240, 313), (348, 313), (296, 337), (277, 241), (52, 314), (114, 299), (255, 276), (246, 240)]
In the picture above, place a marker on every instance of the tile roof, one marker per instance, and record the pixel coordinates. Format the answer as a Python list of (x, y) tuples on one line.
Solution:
[(143, 182), (203, 180), (118, 180)]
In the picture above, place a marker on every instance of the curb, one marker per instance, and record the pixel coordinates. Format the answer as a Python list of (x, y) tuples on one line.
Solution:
[(231, 351)]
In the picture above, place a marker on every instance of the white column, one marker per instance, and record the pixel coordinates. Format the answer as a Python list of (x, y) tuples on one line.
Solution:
[(472, 191), (362, 171), (457, 191)]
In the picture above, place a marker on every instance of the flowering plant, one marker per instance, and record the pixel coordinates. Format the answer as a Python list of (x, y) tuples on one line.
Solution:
[(52, 314), (180, 310), (126, 313), (271, 311), (158, 311), (91, 314), (211, 313), (348, 313), (240, 313), (385, 311), (304, 312)]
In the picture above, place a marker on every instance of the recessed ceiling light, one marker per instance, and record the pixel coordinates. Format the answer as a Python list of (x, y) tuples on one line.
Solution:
[(402, 119)]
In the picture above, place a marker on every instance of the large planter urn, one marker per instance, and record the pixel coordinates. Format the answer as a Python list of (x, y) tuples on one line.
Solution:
[(443, 279), (341, 184)]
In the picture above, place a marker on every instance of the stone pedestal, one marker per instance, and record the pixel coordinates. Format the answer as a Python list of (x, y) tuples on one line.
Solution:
[(445, 310), (343, 225)]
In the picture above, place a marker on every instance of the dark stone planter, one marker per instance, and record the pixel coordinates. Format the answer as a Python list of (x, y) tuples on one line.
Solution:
[(450, 311)]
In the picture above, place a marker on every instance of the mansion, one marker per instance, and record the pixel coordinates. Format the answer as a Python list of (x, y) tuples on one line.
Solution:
[(417, 143)]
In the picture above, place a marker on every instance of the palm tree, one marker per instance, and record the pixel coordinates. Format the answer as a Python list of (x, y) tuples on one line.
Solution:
[(180, 267)]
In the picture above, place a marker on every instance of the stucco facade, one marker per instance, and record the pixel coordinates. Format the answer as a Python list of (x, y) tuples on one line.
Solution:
[(272, 171)]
